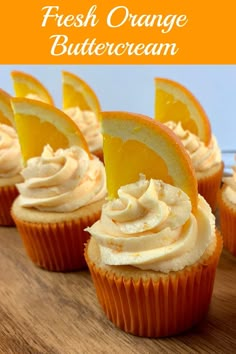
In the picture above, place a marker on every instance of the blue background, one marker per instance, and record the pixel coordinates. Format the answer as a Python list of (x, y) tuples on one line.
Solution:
[(131, 88)]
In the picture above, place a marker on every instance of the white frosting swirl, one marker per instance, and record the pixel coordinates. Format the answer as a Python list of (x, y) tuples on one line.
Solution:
[(88, 125), (10, 153), (230, 186), (150, 226), (203, 157), (62, 181)]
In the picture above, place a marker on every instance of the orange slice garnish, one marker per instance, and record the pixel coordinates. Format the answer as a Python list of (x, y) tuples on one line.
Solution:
[(38, 124), (25, 84), (6, 114), (77, 93), (174, 102), (134, 144)]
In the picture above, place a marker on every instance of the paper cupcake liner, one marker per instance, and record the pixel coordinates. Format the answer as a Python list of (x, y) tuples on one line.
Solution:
[(157, 308), (56, 246), (7, 196), (227, 218), (209, 186)]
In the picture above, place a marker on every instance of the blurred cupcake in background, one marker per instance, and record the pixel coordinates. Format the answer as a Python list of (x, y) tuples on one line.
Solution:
[(206, 160), (227, 211), (81, 104), (10, 160), (179, 110)]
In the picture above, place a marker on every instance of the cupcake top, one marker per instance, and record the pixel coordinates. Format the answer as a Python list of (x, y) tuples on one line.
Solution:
[(203, 157), (150, 226), (88, 125), (230, 186), (10, 153), (62, 181)]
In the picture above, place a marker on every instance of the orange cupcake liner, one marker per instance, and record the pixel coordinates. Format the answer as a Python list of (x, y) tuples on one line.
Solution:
[(7, 196), (157, 308), (209, 186), (56, 246), (227, 217)]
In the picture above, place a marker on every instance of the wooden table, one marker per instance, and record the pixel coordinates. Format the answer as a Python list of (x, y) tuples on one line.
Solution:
[(43, 312)]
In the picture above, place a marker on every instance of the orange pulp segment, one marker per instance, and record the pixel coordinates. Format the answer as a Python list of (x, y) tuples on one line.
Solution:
[(38, 124), (134, 144), (6, 114), (25, 84), (77, 93), (174, 102)]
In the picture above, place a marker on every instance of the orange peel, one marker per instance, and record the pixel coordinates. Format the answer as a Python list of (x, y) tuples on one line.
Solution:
[(25, 84), (6, 113), (77, 93), (174, 102)]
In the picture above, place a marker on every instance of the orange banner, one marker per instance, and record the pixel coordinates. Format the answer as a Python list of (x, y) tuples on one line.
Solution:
[(117, 32)]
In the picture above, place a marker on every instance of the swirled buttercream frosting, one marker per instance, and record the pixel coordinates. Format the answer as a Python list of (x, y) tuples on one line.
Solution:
[(62, 181), (10, 154), (230, 186), (88, 125), (150, 226), (203, 157)]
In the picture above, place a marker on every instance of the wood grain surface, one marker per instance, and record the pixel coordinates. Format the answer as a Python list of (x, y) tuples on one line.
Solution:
[(58, 313)]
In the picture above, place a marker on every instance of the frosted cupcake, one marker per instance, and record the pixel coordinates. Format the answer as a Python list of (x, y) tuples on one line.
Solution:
[(154, 252), (227, 212), (149, 252), (80, 102), (10, 168), (180, 110), (206, 160), (62, 193), (10, 159)]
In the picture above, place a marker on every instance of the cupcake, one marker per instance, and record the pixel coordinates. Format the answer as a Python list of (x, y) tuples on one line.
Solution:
[(153, 254), (62, 193), (227, 212), (206, 160), (10, 167), (179, 109), (81, 104), (89, 127), (10, 160)]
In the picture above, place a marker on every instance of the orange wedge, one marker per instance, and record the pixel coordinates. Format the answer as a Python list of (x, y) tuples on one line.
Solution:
[(135, 144), (26, 84), (6, 114), (77, 93), (175, 102), (38, 124)]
